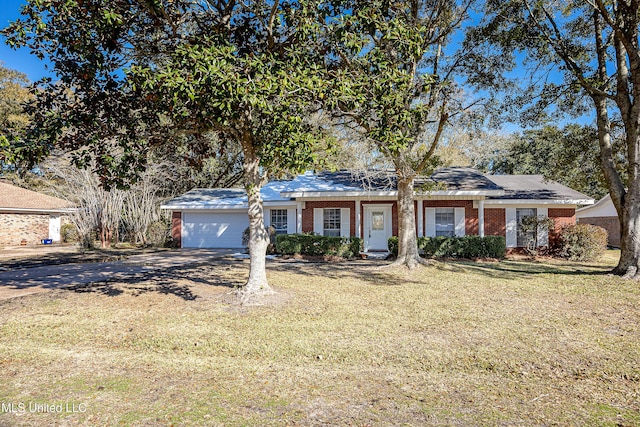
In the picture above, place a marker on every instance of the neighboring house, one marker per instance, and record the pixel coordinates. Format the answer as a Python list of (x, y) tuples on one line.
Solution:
[(28, 217), (603, 214), (461, 201)]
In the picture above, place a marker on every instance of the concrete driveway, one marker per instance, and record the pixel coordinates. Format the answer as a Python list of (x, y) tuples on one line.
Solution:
[(40, 279)]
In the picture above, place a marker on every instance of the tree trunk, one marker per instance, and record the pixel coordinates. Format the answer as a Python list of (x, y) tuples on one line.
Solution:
[(407, 241), (258, 235), (626, 201)]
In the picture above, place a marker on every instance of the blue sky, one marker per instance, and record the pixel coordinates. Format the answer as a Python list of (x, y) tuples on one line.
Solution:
[(20, 60)]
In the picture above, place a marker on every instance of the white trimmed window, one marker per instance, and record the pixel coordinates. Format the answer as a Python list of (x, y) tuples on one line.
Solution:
[(445, 222), (523, 238), (331, 222), (279, 220)]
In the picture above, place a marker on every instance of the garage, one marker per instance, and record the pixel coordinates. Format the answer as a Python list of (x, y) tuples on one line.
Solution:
[(213, 230)]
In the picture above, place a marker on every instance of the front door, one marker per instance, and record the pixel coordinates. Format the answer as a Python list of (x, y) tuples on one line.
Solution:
[(377, 227)]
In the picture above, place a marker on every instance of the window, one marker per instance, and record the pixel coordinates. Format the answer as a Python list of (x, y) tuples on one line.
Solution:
[(445, 222), (377, 220), (523, 238), (331, 222), (279, 220)]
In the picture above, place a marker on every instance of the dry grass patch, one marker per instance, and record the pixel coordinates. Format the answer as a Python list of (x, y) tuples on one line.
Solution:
[(476, 343)]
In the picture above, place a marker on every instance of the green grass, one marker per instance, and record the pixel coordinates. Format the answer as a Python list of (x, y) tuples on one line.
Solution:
[(457, 343)]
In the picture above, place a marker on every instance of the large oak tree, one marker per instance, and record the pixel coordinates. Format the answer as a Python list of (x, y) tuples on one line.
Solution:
[(394, 86), (594, 46), (133, 71)]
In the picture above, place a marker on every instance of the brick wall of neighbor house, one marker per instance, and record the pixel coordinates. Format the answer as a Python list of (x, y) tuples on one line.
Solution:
[(470, 213), (394, 212), (562, 217), (307, 214), (17, 227), (176, 228), (609, 223), (495, 222)]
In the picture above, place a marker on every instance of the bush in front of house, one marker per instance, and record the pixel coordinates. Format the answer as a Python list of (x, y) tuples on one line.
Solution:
[(69, 233), (583, 242), (271, 249), (457, 247), (315, 245)]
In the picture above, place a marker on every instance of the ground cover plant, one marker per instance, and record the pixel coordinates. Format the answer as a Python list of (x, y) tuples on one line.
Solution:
[(458, 343)]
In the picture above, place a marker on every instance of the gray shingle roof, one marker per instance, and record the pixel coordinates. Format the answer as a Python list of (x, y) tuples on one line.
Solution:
[(461, 179), (534, 187)]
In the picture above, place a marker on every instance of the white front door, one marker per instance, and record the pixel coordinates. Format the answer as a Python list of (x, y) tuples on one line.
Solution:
[(377, 227), (54, 227)]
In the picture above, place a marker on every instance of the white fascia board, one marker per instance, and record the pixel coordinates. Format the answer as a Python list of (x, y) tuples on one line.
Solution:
[(313, 194), (194, 206), (392, 193), (41, 211), (464, 193), (489, 202), (282, 203)]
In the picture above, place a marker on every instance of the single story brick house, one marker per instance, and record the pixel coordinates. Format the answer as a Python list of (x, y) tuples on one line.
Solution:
[(461, 201), (28, 217), (603, 214)]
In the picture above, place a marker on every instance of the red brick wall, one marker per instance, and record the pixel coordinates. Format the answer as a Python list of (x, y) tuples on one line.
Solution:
[(609, 223), (470, 213), (495, 222), (176, 228), (15, 227), (307, 214), (561, 217)]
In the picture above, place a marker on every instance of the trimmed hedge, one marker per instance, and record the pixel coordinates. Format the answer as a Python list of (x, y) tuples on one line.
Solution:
[(457, 247), (311, 244), (583, 242)]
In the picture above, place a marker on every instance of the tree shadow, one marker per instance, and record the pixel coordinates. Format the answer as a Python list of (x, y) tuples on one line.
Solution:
[(369, 270), (375, 271), (161, 281), (520, 269)]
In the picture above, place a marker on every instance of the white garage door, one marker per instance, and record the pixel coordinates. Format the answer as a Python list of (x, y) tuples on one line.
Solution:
[(213, 230)]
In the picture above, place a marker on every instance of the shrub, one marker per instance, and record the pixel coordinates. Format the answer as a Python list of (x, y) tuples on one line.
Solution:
[(271, 247), (530, 226), (314, 245), (158, 233), (69, 233), (583, 242), (457, 247)]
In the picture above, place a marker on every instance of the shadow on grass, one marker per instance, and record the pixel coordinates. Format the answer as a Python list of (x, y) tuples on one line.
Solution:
[(162, 281), (511, 269), (368, 270), (372, 272)]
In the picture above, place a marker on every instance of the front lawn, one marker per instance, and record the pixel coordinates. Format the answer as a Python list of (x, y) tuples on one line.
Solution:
[(457, 343)]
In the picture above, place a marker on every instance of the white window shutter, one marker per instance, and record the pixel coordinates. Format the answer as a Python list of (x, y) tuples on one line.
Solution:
[(430, 217), (458, 219), (318, 221), (345, 222), (267, 217), (511, 227), (543, 232), (291, 221)]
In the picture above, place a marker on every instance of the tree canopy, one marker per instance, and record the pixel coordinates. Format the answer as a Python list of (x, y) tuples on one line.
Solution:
[(595, 47), (568, 156), (393, 86), (132, 73)]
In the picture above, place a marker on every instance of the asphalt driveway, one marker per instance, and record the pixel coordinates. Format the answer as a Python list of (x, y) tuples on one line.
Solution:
[(26, 281)]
